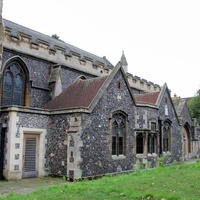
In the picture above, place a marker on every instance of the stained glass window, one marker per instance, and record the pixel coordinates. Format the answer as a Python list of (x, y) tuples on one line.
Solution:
[(13, 85)]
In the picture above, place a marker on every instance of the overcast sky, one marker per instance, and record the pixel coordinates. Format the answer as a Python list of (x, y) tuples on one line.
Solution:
[(160, 38)]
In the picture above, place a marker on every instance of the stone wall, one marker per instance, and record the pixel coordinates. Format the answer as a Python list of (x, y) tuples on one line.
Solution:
[(68, 76), (96, 134), (30, 120), (1, 35), (4, 120), (144, 116), (56, 139), (56, 149), (167, 111), (186, 116)]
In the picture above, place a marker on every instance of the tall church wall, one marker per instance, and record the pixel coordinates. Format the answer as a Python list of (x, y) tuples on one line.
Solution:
[(96, 132), (39, 72)]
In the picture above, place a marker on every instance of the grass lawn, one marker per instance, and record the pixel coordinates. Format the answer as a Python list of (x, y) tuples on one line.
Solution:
[(181, 181)]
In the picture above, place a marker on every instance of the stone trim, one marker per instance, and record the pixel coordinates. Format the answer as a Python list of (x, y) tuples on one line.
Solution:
[(74, 145)]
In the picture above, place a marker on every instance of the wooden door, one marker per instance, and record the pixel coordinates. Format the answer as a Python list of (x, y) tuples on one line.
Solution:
[(30, 156)]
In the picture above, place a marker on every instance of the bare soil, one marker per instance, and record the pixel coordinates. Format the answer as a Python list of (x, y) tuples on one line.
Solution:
[(29, 185)]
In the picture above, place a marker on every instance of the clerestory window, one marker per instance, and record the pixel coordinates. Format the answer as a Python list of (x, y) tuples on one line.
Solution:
[(13, 85)]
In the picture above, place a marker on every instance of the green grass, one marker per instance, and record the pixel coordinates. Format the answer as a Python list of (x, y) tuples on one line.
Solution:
[(167, 183)]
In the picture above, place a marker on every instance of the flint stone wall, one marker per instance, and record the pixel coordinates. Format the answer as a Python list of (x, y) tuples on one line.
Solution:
[(186, 115), (96, 135), (144, 117), (56, 147), (69, 76), (176, 145)]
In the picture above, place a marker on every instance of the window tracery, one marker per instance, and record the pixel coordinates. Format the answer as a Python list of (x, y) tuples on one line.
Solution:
[(118, 134), (13, 85)]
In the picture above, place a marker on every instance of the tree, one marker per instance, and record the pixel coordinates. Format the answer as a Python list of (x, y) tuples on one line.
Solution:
[(194, 107), (55, 36)]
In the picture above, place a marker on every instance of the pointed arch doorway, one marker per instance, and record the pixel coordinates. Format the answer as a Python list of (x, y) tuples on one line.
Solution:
[(186, 142)]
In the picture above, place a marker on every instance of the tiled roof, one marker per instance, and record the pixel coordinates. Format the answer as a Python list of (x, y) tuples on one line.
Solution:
[(79, 95), (150, 98)]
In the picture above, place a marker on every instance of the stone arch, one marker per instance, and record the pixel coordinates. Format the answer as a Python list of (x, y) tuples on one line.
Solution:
[(81, 77)]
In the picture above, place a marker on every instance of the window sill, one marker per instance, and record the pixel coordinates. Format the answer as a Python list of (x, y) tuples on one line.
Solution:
[(120, 157), (152, 154), (141, 156)]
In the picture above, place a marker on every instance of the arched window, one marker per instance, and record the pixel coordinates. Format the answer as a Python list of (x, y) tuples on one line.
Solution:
[(13, 85), (167, 136), (118, 134)]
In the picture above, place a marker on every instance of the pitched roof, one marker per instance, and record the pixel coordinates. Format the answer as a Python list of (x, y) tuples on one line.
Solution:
[(149, 98), (79, 95), (35, 37)]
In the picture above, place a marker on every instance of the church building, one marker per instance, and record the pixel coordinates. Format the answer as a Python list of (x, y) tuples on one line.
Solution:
[(67, 112)]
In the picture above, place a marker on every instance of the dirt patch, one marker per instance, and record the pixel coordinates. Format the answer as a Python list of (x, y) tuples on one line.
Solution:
[(29, 185)]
